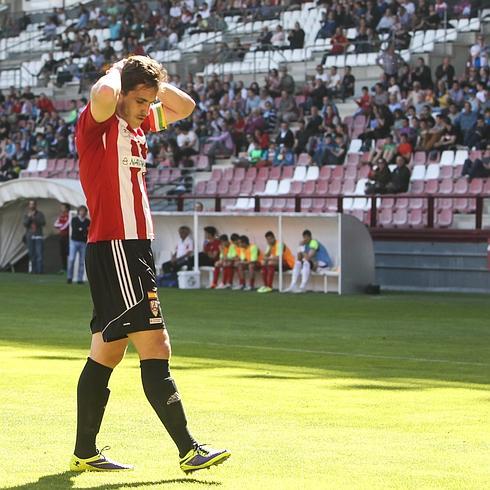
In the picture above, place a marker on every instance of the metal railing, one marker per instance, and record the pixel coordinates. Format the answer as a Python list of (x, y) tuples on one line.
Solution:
[(373, 208)]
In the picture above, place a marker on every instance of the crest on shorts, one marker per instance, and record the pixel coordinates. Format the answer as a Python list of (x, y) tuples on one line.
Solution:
[(155, 307), (152, 295)]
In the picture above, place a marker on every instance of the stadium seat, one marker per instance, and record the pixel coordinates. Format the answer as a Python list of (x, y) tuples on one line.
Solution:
[(461, 186), (216, 174), (266, 204), (350, 172), (417, 203), (418, 173), (447, 157), (263, 173), (228, 174), (279, 205), (309, 187), (271, 188), (432, 172), (306, 204), (331, 205), (444, 203), (296, 187), (299, 174), (486, 186), (353, 159), (202, 162), (334, 187), (419, 158), (251, 173), (312, 173), (246, 187), (238, 174), (287, 172), (355, 146), (434, 157), (461, 205), (416, 186), (444, 218), (337, 173), (460, 157), (321, 187), (400, 218), (364, 172), (234, 188), (401, 203), (445, 172), (318, 205), (415, 218), (211, 188), (325, 173), (476, 186), (259, 187), (303, 159), (284, 187), (223, 186), (200, 187), (385, 217), (348, 186), (361, 187), (275, 173), (446, 186)]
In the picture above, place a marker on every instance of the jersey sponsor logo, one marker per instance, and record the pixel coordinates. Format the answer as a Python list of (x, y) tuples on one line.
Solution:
[(155, 321), (155, 307), (134, 162)]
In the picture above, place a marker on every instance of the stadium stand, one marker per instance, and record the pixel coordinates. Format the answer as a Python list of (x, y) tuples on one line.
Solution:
[(425, 68)]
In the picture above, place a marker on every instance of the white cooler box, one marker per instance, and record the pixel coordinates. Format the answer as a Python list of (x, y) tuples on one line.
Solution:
[(189, 279)]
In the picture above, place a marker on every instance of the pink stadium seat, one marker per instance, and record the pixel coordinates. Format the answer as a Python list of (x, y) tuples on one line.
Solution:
[(419, 158), (461, 186), (223, 186), (348, 186), (290, 205), (238, 174), (303, 159), (51, 165), (400, 218), (288, 172), (334, 187), (275, 173), (216, 174), (296, 187), (263, 173), (200, 187), (318, 205), (446, 186), (60, 164), (234, 188), (309, 187), (251, 173), (211, 188), (331, 205), (246, 187), (476, 186), (163, 175), (359, 121), (228, 174), (461, 205), (365, 157), (364, 172), (457, 170), (306, 204), (353, 159), (202, 162), (279, 205), (266, 204), (444, 203), (385, 217), (322, 187), (444, 218), (175, 173), (431, 186), (417, 203), (350, 172), (325, 173), (446, 172), (337, 173), (417, 187), (401, 203), (72, 174), (259, 187), (415, 218), (70, 164), (486, 186), (387, 203), (349, 121)]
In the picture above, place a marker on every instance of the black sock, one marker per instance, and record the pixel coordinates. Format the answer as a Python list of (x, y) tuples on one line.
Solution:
[(163, 396), (92, 396)]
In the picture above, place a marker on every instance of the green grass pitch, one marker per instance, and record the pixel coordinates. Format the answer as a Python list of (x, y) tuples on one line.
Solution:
[(307, 391)]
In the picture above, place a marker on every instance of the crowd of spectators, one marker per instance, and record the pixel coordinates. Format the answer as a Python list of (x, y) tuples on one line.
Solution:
[(30, 127)]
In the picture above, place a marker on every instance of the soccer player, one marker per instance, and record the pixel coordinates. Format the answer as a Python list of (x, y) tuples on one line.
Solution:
[(131, 99), (275, 251), (250, 260), (228, 255), (312, 255)]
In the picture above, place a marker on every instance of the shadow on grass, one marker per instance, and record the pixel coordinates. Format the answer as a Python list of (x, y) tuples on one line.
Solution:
[(379, 387), (271, 376), (66, 480), (57, 358)]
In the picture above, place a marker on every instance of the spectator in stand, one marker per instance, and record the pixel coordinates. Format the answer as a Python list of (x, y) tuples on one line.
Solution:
[(278, 39), (448, 138), (250, 260), (456, 95), (479, 138), (78, 244), (311, 256), (380, 97), (479, 53), (340, 43), (270, 117), (287, 110), (386, 23), (301, 138), (466, 122), (183, 254), (364, 102), (476, 169), (379, 178), (333, 83), (422, 74), (285, 137), (400, 177), (34, 221), (347, 84), (221, 145), (445, 71), (296, 37), (273, 83), (48, 69), (264, 39), (387, 152), (389, 62), (62, 224), (274, 253), (321, 74), (286, 81), (405, 148), (283, 157), (187, 140), (328, 26), (211, 247)]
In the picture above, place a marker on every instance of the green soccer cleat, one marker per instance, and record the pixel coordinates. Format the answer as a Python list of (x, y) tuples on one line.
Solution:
[(202, 456), (97, 463), (265, 289)]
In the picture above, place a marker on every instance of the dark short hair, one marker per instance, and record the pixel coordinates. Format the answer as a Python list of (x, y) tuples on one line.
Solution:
[(307, 233), (234, 237), (244, 239), (82, 207), (269, 234), (211, 230), (142, 70), (223, 237)]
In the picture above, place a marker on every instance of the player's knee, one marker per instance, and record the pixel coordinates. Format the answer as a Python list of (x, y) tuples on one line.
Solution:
[(109, 359)]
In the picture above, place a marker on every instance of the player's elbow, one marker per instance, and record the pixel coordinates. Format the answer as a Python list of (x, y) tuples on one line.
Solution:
[(188, 106), (104, 94)]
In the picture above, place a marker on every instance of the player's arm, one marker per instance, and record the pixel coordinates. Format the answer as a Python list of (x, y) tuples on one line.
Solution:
[(105, 93), (176, 103)]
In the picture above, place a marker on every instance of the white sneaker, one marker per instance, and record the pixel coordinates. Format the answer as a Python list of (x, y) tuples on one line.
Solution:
[(238, 287), (247, 288), (222, 286), (299, 290), (290, 289)]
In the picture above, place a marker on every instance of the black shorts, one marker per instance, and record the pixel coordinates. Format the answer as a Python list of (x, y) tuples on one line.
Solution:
[(121, 275)]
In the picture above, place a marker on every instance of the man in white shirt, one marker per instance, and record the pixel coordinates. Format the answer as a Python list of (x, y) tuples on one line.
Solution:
[(321, 74), (183, 256), (187, 141)]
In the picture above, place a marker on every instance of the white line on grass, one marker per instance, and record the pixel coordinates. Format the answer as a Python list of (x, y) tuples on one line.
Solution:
[(335, 353)]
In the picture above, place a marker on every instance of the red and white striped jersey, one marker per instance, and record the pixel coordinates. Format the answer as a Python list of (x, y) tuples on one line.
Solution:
[(112, 172)]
